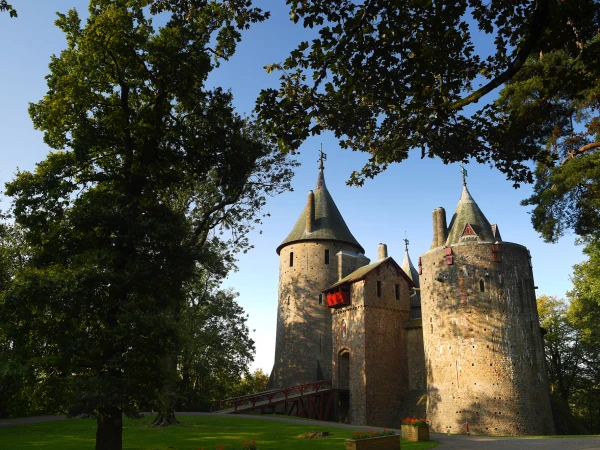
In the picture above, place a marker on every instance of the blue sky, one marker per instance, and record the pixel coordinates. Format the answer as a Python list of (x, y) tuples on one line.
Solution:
[(401, 200)]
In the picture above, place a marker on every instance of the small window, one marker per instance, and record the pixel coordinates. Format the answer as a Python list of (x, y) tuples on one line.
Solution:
[(291, 259), (379, 289), (320, 299), (326, 256), (481, 286), (397, 292)]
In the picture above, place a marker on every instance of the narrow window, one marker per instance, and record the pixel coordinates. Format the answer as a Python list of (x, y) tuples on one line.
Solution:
[(397, 292), (379, 289), (291, 259), (481, 286), (320, 299), (326, 256)]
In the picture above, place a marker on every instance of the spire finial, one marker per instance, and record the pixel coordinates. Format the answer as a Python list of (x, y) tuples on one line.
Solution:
[(405, 242), (464, 174), (321, 179), (322, 158)]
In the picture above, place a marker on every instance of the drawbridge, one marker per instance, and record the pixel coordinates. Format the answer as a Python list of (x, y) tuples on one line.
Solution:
[(310, 400)]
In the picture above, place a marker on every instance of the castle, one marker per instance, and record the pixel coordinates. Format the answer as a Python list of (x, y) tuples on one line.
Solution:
[(460, 333)]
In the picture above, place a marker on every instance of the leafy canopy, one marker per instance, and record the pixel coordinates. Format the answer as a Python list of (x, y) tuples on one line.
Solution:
[(152, 176), (389, 76)]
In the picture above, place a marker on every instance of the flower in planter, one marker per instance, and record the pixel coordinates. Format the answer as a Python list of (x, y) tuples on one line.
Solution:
[(412, 422), (358, 435)]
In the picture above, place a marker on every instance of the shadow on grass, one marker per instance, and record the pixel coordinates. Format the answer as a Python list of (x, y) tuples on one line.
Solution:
[(194, 433)]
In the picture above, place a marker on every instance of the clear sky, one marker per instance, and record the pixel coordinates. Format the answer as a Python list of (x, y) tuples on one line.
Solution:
[(401, 200)]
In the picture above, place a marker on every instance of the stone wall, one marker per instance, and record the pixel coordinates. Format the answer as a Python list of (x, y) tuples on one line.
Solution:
[(483, 346), (303, 337), (375, 340)]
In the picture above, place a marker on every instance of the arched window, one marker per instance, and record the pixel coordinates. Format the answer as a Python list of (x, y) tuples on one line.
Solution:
[(320, 299), (481, 286)]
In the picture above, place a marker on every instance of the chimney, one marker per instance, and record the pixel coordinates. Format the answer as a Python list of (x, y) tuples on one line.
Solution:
[(381, 252), (440, 231), (310, 215), (348, 262)]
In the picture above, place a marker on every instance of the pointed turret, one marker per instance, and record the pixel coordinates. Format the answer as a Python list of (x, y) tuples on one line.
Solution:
[(468, 222), (408, 267), (415, 295), (328, 222)]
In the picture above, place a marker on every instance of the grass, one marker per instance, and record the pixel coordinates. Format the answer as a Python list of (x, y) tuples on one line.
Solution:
[(193, 433)]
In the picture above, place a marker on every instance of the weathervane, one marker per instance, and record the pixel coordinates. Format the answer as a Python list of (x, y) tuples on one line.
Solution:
[(464, 174), (322, 157), (405, 241)]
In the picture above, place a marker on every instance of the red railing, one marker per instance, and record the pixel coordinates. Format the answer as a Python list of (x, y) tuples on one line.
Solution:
[(312, 400)]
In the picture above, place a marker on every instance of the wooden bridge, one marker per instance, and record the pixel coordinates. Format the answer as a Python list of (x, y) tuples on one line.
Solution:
[(311, 400)]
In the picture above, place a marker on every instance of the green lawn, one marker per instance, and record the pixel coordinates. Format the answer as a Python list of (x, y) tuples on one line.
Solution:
[(194, 433)]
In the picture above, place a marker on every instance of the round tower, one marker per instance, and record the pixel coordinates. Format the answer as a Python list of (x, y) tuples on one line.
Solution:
[(483, 345), (308, 263)]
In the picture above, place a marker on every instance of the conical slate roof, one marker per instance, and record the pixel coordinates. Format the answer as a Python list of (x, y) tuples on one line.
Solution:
[(467, 212), (409, 269), (329, 224)]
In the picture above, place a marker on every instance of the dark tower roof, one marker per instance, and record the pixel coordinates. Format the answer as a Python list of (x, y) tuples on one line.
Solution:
[(468, 220), (329, 224), (409, 269)]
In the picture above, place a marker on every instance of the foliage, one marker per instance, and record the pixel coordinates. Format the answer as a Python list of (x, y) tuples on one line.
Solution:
[(563, 347), (358, 435), (388, 76), (413, 422), (194, 432), (560, 114), (216, 350), (5, 6), (584, 312), (572, 360), (152, 178)]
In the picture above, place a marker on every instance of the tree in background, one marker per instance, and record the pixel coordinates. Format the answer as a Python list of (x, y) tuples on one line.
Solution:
[(152, 177), (389, 76), (217, 348), (573, 360), (585, 314)]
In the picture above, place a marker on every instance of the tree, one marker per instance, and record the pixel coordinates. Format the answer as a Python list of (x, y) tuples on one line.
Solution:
[(573, 361), (585, 314), (390, 76), (4, 6), (152, 176), (217, 348), (563, 348)]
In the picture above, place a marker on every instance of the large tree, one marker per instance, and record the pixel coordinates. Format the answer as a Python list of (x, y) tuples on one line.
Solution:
[(151, 176), (388, 76)]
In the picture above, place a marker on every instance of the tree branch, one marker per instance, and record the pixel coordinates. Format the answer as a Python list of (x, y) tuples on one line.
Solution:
[(537, 27), (585, 148)]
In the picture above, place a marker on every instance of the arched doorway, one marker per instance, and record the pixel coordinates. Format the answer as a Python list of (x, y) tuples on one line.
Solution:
[(343, 369), (343, 386)]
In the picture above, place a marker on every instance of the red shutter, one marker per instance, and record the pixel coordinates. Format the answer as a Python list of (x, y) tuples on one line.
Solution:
[(449, 260), (448, 251)]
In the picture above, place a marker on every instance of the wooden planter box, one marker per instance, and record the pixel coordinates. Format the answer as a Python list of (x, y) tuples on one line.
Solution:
[(411, 433), (375, 443)]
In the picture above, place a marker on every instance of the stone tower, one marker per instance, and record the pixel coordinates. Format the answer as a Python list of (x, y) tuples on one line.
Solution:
[(483, 346), (308, 263)]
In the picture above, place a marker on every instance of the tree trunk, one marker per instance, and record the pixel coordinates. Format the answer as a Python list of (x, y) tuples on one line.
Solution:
[(165, 418), (109, 435)]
